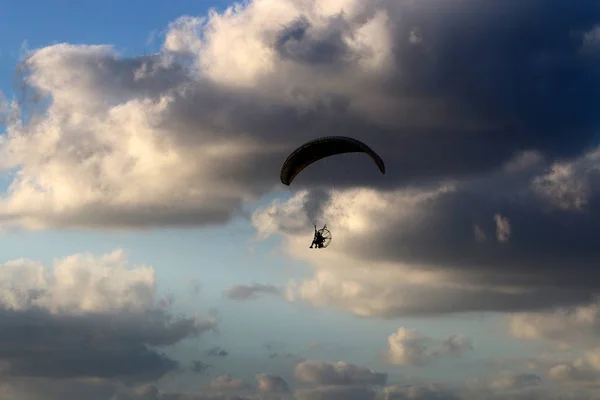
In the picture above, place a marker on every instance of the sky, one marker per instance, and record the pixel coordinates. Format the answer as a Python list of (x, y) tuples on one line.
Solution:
[(148, 250)]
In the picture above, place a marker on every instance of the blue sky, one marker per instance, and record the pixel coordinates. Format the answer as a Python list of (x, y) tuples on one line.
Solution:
[(430, 247)]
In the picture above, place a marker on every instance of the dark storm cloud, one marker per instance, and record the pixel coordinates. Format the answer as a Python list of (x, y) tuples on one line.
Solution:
[(38, 344), (512, 73), (515, 67), (548, 256), (548, 247), (522, 238)]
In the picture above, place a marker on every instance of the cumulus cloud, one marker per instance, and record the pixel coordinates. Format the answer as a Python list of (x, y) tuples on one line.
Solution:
[(251, 292), (576, 371), (412, 251), (226, 382), (187, 135), (87, 317), (426, 245), (271, 384), (583, 369), (411, 347), (339, 373), (573, 326)]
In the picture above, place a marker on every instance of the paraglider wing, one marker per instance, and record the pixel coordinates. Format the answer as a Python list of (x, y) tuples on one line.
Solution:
[(320, 148)]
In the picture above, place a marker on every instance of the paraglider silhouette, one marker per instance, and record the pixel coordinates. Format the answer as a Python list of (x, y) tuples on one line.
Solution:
[(315, 150)]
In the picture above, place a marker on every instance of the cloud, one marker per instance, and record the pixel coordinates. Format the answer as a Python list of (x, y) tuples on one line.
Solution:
[(502, 228), (114, 132), (413, 251), (87, 317), (186, 136), (563, 187), (585, 368), (271, 384), (226, 382), (339, 373), (251, 292), (573, 326), (407, 347), (410, 347), (577, 371)]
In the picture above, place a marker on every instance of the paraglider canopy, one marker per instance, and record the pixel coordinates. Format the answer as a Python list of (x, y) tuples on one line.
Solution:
[(323, 147)]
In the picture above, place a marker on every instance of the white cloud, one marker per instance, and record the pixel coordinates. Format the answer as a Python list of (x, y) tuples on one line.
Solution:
[(78, 284), (391, 255), (226, 382), (563, 187), (585, 368), (240, 45), (88, 316), (502, 228), (410, 347), (271, 384), (157, 140), (572, 326), (407, 347), (338, 373)]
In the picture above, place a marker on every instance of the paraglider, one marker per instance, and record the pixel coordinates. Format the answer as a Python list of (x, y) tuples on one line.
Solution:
[(316, 150), (322, 238)]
